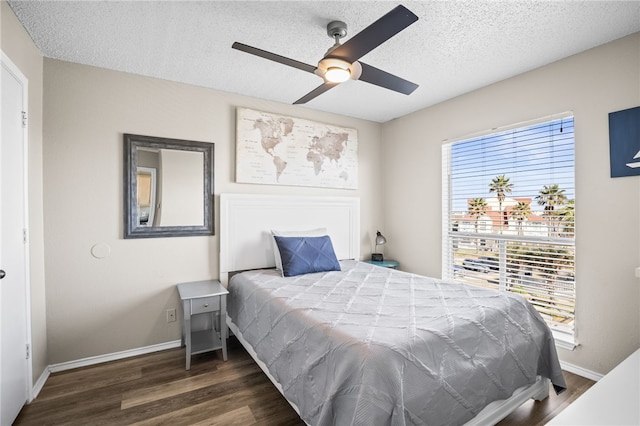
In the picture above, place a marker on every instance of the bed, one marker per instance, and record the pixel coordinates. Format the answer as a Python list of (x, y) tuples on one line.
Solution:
[(365, 345)]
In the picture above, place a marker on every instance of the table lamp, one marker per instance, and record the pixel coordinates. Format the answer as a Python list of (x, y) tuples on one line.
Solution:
[(380, 240)]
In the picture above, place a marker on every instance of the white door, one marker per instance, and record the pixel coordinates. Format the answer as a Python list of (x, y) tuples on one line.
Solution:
[(14, 367)]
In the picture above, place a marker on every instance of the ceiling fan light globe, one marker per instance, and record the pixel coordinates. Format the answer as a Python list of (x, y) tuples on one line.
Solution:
[(337, 75), (355, 70)]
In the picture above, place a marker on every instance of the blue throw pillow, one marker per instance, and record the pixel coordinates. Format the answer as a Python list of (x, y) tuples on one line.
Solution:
[(303, 255)]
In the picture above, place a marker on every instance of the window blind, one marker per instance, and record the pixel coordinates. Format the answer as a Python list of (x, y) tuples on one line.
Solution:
[(509, 214)]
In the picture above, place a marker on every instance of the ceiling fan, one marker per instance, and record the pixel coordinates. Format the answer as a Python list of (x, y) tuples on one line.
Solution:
[(341, 62)]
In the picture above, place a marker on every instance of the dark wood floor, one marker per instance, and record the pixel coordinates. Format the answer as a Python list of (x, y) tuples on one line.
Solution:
[(155, 389)]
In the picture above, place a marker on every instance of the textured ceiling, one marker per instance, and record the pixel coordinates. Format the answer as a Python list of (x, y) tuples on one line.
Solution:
[(454, 47)]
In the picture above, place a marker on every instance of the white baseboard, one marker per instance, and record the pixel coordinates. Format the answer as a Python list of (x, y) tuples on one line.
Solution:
[(54, 368), (37, 387), (84, 362), (571, 368)]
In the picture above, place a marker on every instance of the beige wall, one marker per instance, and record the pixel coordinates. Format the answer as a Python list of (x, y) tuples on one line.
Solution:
[(100, 306), (17, 45), (590, 84)]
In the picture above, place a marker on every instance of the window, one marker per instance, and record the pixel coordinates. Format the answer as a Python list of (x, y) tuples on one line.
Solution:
[(508, 219)]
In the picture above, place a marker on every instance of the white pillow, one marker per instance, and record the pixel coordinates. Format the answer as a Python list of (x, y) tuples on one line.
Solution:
[(319, 232)]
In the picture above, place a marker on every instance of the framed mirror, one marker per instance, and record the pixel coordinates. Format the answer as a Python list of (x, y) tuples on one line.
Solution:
[(168, 187)]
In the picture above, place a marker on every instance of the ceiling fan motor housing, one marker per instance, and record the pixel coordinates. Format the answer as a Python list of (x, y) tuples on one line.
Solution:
[(328, 62)]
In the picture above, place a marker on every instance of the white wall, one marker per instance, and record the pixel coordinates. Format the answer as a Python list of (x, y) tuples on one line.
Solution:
[(101, 306), (590, 84)]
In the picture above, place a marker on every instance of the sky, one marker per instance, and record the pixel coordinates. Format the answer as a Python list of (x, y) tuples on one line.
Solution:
[(531, 157)]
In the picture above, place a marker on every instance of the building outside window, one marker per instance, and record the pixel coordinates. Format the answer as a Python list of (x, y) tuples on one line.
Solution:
[(509, 215)]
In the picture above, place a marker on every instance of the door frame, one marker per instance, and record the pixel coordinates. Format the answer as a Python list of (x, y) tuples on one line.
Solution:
[(15, 71)]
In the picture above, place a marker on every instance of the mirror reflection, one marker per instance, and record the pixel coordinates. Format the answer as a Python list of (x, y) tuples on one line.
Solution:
[(168, 187), (146, 196)]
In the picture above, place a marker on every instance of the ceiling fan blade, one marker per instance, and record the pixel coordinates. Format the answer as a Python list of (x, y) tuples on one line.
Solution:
[(274, 57), (375, 34), (381, 78), (315, 92)]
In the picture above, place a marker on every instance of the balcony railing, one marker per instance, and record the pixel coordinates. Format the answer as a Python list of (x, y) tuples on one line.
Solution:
[(540, 269)]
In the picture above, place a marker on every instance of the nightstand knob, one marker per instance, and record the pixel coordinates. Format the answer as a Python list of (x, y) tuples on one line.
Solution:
[(206, 305)]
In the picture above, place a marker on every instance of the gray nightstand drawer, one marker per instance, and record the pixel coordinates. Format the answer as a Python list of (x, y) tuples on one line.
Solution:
[(205, 304)]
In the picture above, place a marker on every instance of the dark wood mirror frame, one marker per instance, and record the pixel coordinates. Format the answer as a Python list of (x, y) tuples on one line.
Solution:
[(130, 185)]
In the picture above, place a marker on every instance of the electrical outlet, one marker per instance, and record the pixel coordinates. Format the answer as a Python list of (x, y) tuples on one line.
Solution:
[(171, 315)]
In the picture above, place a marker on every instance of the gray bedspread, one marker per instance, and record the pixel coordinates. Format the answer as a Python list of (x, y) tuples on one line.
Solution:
[(375, 346)]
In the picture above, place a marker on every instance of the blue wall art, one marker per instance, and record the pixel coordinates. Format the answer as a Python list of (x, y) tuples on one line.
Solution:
[(624, 142)]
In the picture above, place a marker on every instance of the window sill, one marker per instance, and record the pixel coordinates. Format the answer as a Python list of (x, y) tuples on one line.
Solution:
[(564, 340)]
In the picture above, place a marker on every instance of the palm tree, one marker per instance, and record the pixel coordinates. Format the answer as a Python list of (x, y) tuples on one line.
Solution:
[(551, 196), (477, 208), (567, 217), (501, 186), (520, 212)]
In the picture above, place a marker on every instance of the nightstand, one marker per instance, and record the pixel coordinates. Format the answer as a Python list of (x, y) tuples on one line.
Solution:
[(204, 297), (387, 263)]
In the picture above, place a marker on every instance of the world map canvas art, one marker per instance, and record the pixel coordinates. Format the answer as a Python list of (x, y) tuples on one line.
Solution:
[(279, 150)]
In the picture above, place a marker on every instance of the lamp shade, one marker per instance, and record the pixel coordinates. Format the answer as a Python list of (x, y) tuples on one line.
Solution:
[(380, 239)]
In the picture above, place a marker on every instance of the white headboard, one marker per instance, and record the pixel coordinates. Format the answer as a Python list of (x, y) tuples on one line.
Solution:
[(246, 221)]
